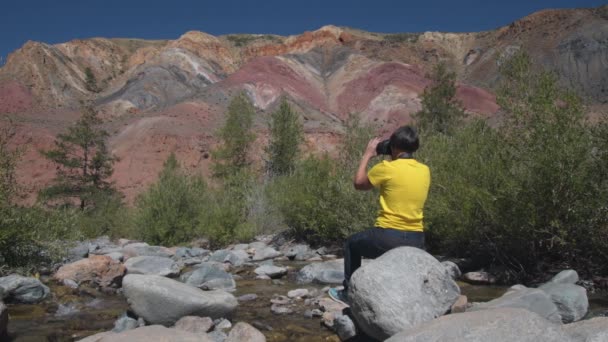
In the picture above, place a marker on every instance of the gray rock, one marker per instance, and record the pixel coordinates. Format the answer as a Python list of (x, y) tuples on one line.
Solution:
[(142, 249), (344, 327), (188, 253), (107, 250), (297, 293), (194, 324), (479, 278), (237, 258), (257, 245), (452, 269), (79, 251), (496, 325), (219, 255), (70, 283), (245, 332), (328, 272), (300, 252), (589, 330), (152, 265), (402, 288), (271, 271), (161, 300), (3, 319), (279, 309), (149, 333), (118, 256), (565, 277), (265, 253), (571, 300), (217, 336), (125, 323), (209, 278), (534, 300), (16, 288), (240, 247), (222, 324)]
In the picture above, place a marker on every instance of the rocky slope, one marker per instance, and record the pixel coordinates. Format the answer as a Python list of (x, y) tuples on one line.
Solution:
[(164, 96)]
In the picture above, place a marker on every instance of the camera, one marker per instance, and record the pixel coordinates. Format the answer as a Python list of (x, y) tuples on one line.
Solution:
[(384, 147)]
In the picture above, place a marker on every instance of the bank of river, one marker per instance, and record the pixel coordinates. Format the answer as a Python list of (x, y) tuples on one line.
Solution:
[(73, 314)]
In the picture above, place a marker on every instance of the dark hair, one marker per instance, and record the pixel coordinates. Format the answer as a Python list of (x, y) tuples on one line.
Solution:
[(405, 138)]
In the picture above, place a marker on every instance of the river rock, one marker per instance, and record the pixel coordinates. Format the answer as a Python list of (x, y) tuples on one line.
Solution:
[(187, 253), (3, 320), (149, 333), (257, 245), (565, 277), (217, 336), (237, 258), (571, 300), (99, 270), (152, 265), (194, 324), (452, 269), (265, 254), (141, 249), (327, 272), (161, 300), (589, 330), (79, 251), (404, 287), (209, 278), (279, 309), (299, 252), (344, 327), (534, 300), (125, 323), (479, 278), (245, 332), (271, 271), (19, 289), (247, 297), (496, 325), (297, 293), (240, 247)]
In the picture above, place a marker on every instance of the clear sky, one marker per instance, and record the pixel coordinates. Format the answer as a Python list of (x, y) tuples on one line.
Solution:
[(55, 21)]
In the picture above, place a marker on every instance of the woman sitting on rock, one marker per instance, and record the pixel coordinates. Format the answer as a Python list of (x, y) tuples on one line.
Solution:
[(404, 185)]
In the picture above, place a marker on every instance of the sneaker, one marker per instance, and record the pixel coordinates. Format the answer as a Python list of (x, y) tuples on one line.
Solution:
[(339, 296)]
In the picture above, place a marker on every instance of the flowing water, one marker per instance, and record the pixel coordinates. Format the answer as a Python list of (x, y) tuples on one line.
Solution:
[(73, 314)]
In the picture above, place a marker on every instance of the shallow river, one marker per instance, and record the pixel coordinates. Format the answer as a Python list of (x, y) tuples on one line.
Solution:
[(73, 314)]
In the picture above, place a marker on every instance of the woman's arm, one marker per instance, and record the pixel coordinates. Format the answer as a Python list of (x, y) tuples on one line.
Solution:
[(361, 180)]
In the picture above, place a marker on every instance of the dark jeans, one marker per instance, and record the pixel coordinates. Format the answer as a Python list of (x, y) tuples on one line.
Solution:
[(374, 242)]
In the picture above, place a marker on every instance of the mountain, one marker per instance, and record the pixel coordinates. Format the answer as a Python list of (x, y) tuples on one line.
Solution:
[(170, 95)]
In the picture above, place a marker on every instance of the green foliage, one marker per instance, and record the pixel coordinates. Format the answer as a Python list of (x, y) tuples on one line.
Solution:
[(529, 194), (168, 212), (83, 161), (9, 157), (318, 201), (286, 135), (441, 112), (231, 160), (90, 81)]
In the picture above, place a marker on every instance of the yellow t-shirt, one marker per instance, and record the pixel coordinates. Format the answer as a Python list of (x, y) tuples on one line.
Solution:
[(404, 186)]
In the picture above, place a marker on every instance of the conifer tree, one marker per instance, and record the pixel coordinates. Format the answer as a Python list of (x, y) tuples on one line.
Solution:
[(83, 162), (441, 111), (286, 134)]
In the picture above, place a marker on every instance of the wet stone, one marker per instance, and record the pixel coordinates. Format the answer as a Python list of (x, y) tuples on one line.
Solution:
[(247, 297), (280, 309)]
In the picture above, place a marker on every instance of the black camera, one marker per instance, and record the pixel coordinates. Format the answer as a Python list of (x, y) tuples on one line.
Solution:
[(384, 147)]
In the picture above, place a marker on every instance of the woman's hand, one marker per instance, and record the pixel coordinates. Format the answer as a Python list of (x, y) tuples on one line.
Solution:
[(370, 150)]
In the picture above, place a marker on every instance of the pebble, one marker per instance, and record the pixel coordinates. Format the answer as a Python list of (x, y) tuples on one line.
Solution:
[(247, 297)]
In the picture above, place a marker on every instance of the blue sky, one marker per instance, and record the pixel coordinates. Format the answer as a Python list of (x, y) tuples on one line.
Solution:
[(62, 20)]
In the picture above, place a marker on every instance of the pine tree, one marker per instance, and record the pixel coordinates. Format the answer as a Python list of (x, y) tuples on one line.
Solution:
[(83, 161), (441, 111), (286, 134), (231, 160)]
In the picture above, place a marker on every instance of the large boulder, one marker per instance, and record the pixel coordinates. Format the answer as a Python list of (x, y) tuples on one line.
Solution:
[(402, 288), (496, 325), (16, 288), (534, 300), (565, 277), (589, 330), (571, 300), (160, 300), (147, 334), (99, 270), (209, 277), (154, 265)]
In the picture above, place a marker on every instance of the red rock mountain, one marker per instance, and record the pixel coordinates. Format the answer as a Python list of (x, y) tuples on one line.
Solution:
[(170, 96)]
